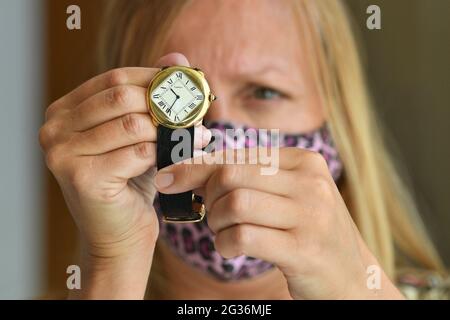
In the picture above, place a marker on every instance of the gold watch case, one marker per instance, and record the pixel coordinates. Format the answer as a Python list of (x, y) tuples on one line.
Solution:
[(159, 118), (198, 77)]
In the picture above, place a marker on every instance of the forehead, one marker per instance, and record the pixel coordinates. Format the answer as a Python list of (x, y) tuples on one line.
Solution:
[(237, 35)]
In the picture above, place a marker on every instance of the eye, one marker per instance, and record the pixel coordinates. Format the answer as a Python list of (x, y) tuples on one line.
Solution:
[(265, 93)]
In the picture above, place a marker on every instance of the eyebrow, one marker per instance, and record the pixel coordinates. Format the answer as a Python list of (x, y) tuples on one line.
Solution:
[(271, 74), (261, 70)]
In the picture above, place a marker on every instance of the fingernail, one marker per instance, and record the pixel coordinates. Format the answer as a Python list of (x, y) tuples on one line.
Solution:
[(163, 180)]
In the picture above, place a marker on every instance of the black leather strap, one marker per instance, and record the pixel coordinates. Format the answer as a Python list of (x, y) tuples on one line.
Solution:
[(177, 205)]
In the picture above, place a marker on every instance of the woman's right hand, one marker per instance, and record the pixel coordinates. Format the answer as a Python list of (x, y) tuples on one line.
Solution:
[(99, 143)]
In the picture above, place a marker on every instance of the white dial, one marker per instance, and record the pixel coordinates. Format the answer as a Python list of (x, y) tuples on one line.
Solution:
[(177, 96)]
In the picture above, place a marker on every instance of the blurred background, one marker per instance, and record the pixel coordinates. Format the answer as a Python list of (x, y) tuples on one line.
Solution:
[(408, 68)]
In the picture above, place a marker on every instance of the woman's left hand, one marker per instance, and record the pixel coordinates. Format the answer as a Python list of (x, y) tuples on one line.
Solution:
[(295, 218)]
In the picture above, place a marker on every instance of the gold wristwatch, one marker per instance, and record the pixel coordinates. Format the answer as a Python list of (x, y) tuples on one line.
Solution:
[(178, 97)]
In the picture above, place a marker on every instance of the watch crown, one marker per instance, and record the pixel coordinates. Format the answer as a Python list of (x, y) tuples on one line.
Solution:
[(199, 71), (212, 97)]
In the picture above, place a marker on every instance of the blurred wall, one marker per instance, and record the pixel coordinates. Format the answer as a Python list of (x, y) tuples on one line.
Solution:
[(408, 66), (21, 188), (70, 61)]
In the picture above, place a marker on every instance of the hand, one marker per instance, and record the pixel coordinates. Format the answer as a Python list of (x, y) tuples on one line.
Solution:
[(99, 142), (295, 219)]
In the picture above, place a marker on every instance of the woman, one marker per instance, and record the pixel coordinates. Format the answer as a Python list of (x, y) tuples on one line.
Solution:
[(311, 231)]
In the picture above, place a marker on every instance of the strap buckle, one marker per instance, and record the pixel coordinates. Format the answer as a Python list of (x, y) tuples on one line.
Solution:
[(198, 212)]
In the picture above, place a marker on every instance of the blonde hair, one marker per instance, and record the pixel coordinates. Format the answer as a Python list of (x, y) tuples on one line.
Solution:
[(378, 200)]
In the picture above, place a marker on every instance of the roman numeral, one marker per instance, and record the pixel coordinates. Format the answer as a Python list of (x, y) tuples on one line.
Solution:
[(164, 88), (192, 105), (179, 75), (199, 97), (193, 88), (187, 82), (169, 112), (170, 81), (177, 119), (156, 96), (161, 104)]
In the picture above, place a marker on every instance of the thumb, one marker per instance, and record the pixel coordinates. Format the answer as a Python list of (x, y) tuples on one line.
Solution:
[(173, 59)]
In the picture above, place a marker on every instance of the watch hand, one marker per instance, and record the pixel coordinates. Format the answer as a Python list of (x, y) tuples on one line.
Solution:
[(174, 93), (176, 99)]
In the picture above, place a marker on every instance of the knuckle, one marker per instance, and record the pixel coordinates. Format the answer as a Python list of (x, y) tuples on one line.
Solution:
[(317, 160), (143, 150), (79, 178), (293, 153), (241, 238), (132, 124), (104, 195), (54, 159), (227, 176), (47, 134), (237, 202), (52, 109), (213, 221), (322, 188), (116, 77), (43, 137), (119, 95)]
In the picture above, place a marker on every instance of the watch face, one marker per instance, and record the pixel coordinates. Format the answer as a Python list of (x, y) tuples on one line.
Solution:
[(177, 96)]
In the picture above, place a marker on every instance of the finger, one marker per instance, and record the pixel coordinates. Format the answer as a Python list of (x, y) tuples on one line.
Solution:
[(125, 163), (219, 179), (116, 77), (120, 132), (123, 76), (231, 177), (200, 191), (107, 105), (272, 245), (173, 59), (269, 159), (247, 206), (127, 130), (286, 158)]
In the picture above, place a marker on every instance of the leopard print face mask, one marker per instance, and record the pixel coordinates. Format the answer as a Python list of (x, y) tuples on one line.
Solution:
[(194, 242)]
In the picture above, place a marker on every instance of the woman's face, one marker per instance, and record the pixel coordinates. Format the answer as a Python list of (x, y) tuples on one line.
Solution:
[(253, 58)]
